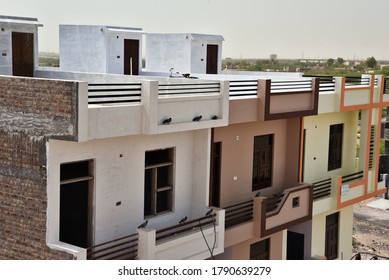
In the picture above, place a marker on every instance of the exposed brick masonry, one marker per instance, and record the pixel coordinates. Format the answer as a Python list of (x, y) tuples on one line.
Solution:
[(31, 111)]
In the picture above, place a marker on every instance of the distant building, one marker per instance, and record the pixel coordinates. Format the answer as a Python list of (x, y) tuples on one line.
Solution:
[(100, 49), (18, 45), (185, 53)]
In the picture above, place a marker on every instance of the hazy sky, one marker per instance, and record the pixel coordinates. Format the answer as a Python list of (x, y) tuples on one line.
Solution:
[(251, 28)]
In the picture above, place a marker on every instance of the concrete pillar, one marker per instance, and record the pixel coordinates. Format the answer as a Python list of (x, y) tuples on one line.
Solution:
[(149, 99), (146, 244), (258, 215)]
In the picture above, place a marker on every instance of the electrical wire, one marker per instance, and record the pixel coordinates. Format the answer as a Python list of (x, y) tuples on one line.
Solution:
[(206, 242)]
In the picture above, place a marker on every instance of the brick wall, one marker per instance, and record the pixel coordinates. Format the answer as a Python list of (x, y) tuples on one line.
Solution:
[(31, 112)]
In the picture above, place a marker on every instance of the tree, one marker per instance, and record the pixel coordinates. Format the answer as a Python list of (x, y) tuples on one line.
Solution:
[(340, 60), (385, 70), (330, 62), (371, 62)]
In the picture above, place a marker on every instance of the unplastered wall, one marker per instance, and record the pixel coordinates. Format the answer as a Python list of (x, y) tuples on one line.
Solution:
[(31, 111), (317, 141), (119, 176)]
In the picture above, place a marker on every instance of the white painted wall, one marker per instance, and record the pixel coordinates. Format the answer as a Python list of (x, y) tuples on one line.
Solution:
[(82, 48), (165, 51), (98, 49), (6, 29), (122, 179), (186, 53), (115, 49)]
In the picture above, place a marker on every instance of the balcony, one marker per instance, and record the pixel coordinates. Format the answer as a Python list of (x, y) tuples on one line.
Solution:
[(199, 238), (124, 248), (262, 216), (338, 191), (273, 99), (145, 105), (338, 94)]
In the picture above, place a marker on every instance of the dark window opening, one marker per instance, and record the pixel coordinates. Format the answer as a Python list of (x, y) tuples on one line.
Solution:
[(76, 199), (260, 250), (335, 147), (371, 147), (295, 246), (296, 202), (158, 195), (214, 195), (262, 162)]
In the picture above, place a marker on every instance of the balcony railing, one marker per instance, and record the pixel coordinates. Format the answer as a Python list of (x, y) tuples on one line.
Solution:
[(239, 213), (124, 248), (188, 89), (326, 83), (386, 85), (290, 86), (243, 88), (352, 177), (322, 189), (114, 93), (185, 227), (357, 81), (273, 201)]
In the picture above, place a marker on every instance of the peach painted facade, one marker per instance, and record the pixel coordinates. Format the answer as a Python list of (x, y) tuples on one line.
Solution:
[(263, 115)]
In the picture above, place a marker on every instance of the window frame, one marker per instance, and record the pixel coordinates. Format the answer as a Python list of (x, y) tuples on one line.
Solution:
[(260, 250), (257, 168), (159, 169), (335, 154)]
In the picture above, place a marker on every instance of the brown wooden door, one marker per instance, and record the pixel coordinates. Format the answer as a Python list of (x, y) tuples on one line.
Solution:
[(23, 54), (131, 57), (212, 55), (265, 166), (214, 194), (331, 245)]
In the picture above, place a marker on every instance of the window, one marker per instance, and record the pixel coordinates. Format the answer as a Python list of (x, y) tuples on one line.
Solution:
[(335, 147), (371, 149), (76, 203), (159, 166), (296, 202), (331, 245), (262, 162), (260, 250)]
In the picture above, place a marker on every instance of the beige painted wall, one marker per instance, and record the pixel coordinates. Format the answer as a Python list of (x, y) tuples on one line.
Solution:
[(345, 233), (316, 144), (237, 157)]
